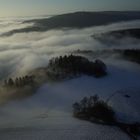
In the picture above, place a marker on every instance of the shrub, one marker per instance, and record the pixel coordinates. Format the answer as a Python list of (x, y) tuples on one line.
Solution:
[(103, 111), (93, 108)]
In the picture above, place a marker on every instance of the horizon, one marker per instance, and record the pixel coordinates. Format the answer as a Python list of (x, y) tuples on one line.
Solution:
[(19, 8), (44, 15)]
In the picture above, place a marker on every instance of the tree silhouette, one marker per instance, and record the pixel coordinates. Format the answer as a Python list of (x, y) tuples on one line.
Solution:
[(76, 65), (10, 82)]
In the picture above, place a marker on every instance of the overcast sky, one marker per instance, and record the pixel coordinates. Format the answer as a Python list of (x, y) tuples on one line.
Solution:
[(49, 7)]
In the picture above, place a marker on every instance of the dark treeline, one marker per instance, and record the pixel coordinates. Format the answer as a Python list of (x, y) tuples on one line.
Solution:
[(119, 34), (19, 81), (128, 54), (76, 65), (133, 55), (127, 33)]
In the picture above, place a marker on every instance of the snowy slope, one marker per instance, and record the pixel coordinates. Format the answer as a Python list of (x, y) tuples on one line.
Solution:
[(48, 114)]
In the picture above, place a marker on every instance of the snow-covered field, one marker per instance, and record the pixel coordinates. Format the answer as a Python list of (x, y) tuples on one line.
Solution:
[(47, 115)]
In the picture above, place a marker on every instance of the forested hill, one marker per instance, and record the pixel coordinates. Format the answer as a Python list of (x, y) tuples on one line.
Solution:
[(86, 19), (119, 34), (77, 20)]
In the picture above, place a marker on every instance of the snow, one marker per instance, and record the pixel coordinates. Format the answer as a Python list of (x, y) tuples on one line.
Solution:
[(48, 114)]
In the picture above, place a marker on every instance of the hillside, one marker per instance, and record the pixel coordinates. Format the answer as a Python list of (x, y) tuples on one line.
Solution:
[(116, 37), (76, 20)]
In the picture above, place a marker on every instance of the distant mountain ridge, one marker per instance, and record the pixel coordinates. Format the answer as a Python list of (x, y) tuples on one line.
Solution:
[(77, 20), (83, 19)]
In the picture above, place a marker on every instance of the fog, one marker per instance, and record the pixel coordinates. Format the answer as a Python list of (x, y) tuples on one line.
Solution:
[(23, 52)]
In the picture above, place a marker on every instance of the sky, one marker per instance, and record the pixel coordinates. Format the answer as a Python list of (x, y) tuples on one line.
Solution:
[(51, 7)]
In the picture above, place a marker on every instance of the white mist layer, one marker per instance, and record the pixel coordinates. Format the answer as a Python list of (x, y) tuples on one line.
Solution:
[(22, 52), (51, 106)]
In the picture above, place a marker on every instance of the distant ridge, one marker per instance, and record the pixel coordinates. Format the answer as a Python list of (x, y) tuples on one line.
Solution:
[(77, 20)]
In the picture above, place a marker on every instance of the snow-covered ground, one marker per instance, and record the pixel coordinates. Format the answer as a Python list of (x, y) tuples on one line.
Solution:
[(48, 114)]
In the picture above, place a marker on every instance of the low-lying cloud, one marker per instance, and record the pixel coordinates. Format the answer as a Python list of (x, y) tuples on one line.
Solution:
[(23, 52)]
